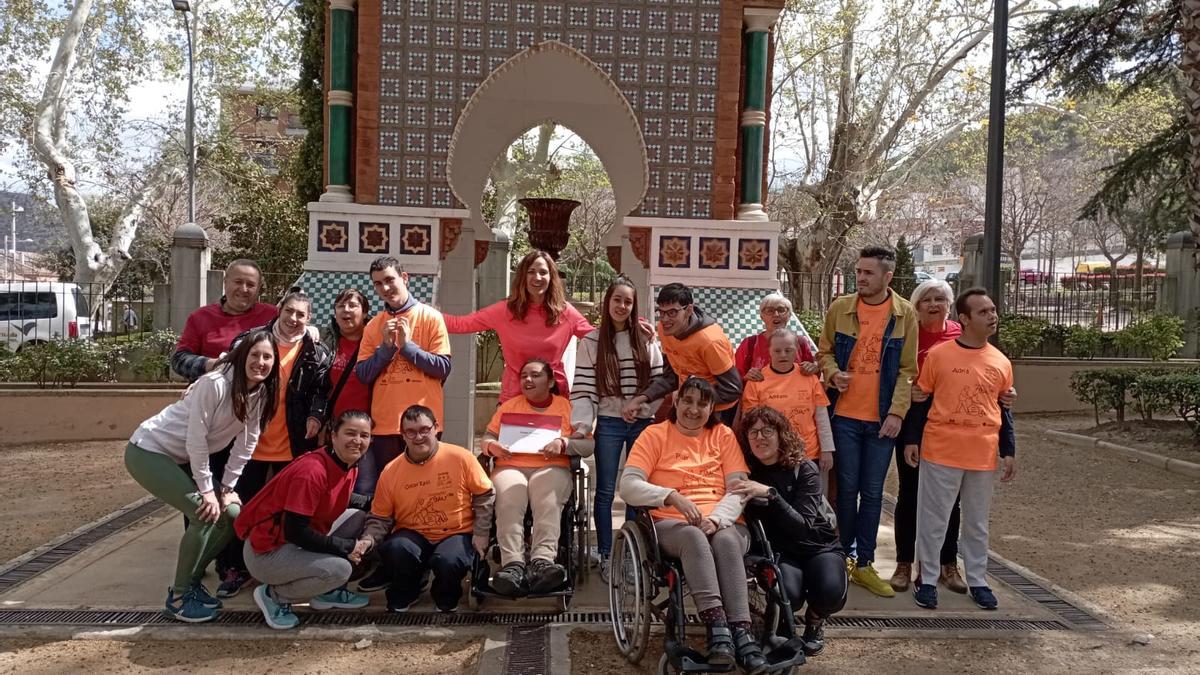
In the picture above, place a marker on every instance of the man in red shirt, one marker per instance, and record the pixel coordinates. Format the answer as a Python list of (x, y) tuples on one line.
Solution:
[(210, 329)]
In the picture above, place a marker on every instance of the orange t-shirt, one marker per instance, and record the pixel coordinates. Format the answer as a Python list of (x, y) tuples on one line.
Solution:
[(401, 384), (274, 445), (695, 466), (963, 429), (519, 404), (433, 499), (860, 401), (704, 354), (794, 394)]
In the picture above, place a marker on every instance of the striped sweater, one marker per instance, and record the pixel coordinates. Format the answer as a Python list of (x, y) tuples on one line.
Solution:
[(586, 403)]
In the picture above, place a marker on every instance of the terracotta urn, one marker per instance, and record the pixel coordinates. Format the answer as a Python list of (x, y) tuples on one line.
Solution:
[(549, 220)]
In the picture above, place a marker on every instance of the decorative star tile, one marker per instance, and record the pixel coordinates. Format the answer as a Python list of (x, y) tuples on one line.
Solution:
[(416, 239), (675, 252), (373, 238), (714, 253), (333, 236), (754, 254)]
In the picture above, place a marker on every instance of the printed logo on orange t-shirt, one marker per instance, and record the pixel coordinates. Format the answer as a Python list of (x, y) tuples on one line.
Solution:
[(794, 394), (434, 498), (402, 384), (963, 429), (860, 401), (696, 466)]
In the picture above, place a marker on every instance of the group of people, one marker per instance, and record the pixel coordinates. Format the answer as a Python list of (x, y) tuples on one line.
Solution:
[(303, 463)]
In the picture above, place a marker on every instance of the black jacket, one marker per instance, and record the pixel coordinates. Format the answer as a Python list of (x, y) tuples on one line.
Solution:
[(792, 515), (307, 390)]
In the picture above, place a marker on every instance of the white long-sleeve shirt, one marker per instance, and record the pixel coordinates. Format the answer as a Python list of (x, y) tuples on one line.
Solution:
[(586, 403), (201, 424)]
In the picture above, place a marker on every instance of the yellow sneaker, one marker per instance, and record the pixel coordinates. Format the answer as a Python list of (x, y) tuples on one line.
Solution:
[(869, 579)]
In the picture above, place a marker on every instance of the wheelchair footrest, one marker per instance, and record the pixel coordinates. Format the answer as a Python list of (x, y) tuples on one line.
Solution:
[(787, 655), (688, 660)]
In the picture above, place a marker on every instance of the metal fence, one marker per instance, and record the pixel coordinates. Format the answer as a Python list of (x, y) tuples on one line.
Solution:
[(1102, 300), (42, 311)]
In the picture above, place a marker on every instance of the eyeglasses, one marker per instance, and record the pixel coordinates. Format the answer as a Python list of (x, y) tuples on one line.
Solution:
[(761, 432), (670, 313), (418, 433), (775, 310)]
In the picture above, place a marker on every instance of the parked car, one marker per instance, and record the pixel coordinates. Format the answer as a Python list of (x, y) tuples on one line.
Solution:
[(1032, 276), (952, 278), (922, 277), (33, 312)]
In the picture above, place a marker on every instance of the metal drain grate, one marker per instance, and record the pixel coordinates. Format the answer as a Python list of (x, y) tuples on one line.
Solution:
[(1076, 617), (528, 651), (521, 623), (56, 555)]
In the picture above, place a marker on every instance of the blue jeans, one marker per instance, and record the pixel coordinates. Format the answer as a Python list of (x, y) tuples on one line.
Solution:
[(406, 555), (613, 434), (861, 461)]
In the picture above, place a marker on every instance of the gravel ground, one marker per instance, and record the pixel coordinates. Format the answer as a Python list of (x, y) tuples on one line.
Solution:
[(1123, 535), (49, 489), (258, 656), (1171, 438)]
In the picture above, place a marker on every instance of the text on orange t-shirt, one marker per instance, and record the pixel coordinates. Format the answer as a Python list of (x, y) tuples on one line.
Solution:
[(963, 428), (704, 354), (402, 384), (432, 499), (274, 445), (860, 401), (695, 466), (559, 407), (794, 394)]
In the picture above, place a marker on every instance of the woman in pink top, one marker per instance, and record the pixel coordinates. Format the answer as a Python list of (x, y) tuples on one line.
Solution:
[(535, 322)]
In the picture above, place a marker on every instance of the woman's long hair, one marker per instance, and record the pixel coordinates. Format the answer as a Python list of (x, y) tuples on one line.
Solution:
[(608, 363), (556, 297), (791, 447), (267, 391)]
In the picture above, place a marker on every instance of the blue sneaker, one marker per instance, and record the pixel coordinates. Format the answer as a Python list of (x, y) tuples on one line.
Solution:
[(232, 582), (187, 607), (983, 596), (278, 615), (339, 598), (208, 599), (925, 595)]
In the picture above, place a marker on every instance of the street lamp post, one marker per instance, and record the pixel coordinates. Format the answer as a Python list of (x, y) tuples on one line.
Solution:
[(12, 253), (993, 209), (184, 7)]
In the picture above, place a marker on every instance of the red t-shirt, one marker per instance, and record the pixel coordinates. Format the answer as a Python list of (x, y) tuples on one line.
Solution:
[(209, 330), (927, 341), (355, 395), (313, 485), (755, 352)]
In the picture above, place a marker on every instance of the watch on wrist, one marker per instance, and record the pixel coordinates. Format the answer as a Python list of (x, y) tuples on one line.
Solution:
[(772, 493)]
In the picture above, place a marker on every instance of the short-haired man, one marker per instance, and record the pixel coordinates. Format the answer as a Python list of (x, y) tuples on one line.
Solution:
[(868, 353), (404, 357), (432, 513), (693, 345), (959, 437), (209, 330)]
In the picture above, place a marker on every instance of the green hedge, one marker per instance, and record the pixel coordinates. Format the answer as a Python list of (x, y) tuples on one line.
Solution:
[(1158, 336), (145, 357), (1147, 391)]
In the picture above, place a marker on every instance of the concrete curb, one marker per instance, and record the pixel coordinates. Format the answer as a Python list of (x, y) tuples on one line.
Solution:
[(1189, 469)]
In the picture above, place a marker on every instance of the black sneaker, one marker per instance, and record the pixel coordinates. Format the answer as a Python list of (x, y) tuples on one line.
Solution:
[(749, 655), (545, 576), (983, 596), (510, 581), (375, 581), (234, 581), (814, 638), (925, 595)]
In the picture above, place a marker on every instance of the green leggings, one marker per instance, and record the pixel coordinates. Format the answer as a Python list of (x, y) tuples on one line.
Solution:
[(201, 542)]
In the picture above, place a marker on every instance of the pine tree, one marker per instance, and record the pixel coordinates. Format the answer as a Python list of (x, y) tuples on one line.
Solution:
[(904, 280)]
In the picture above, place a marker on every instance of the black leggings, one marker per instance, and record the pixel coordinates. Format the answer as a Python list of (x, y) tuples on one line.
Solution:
[(906, 517), (819, 582)]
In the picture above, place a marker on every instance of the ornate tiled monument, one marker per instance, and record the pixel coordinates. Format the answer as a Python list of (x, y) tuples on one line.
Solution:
[(422, 96)]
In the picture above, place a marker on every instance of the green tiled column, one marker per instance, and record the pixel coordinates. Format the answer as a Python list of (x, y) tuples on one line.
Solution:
[(340, 100), (754, 112)]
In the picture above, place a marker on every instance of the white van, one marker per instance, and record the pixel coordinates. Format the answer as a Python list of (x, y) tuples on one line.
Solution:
[(40, 311)]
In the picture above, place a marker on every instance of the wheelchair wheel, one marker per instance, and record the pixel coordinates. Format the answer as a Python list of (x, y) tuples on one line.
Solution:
[(665, 667), (764, 614), (629, 594)]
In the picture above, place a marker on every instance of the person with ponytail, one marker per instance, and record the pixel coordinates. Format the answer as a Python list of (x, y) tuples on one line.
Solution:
[(169, 454), (299, 414)]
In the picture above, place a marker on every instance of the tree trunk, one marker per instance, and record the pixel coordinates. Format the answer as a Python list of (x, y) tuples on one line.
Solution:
[(1189, 38)]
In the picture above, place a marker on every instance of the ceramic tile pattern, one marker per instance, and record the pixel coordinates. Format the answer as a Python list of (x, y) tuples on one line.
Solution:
[(662, 54), (325, 286)]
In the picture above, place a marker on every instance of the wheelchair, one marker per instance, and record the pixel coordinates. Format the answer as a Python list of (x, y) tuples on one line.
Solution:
[(575, 531), (646, 586)]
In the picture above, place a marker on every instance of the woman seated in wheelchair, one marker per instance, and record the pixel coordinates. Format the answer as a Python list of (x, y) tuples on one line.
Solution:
[(540, 480), (685, 468), (784, 492)]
